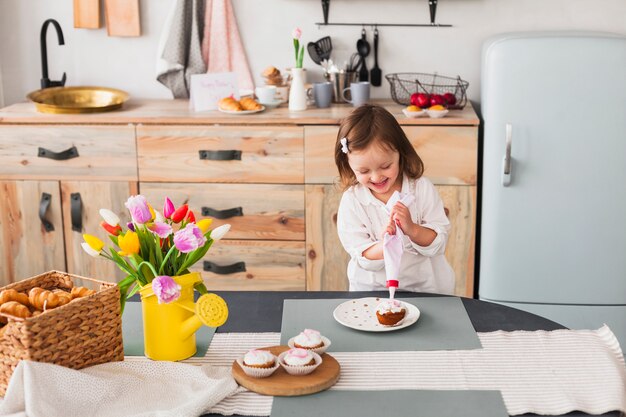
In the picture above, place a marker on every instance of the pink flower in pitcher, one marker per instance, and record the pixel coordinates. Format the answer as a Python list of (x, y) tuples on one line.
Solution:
[(189, 239), (139, 210), (160, 229), (166, 289)]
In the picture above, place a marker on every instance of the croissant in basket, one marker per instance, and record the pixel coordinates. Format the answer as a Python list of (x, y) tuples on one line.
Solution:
[(78, 292), (13, 295), (15, 309), (42, 299)]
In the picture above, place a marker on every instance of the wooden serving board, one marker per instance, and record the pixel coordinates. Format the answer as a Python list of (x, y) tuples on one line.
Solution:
[(282, 384)]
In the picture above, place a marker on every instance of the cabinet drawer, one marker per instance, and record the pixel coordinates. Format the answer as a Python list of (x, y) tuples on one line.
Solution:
[(449, 153), (68, 152), (269, 266), (221, 154), (255, 211)]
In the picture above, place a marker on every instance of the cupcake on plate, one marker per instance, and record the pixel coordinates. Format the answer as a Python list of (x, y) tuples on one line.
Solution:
[(299, 361), (311, 340), (258, 363), (390, 312)]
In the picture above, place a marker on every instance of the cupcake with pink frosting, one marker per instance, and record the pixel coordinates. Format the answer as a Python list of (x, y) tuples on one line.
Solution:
[(310, 339), (258, 363), (299, 361)]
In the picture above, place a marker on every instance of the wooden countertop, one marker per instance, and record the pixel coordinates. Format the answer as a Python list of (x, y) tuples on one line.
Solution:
[(152, 111)]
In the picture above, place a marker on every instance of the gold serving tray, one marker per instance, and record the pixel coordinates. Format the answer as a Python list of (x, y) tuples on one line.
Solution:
[(72, 100)]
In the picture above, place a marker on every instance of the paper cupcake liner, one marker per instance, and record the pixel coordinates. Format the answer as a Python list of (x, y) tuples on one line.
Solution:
[(300, 370), (318, 350), (258, 372)]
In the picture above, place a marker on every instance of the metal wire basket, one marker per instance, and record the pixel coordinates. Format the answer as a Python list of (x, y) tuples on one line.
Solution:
[(403, 84)]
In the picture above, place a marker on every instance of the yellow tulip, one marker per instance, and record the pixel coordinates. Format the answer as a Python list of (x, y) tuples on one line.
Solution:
[(204, 225), (93, 242), (128, 243)]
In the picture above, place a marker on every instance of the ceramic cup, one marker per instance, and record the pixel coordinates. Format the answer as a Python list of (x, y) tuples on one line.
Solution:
[(360, 93), (282, 93), (322, 94), (266, 94)]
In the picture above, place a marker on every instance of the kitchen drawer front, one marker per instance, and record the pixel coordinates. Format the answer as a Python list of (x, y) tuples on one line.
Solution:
[(255, 211), (450, 153), (221, 154), (68, 152), (269, 266)]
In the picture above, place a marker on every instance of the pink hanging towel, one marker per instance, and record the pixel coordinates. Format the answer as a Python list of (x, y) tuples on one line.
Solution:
[(222, 49)]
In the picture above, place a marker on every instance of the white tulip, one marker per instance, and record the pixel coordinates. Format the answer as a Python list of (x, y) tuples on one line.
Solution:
[(219, 232), (90, 251), (111, 218), (158, 217)]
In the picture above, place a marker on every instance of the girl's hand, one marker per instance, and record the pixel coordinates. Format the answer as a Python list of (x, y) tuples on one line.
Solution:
[(401, 215), (391, 227)]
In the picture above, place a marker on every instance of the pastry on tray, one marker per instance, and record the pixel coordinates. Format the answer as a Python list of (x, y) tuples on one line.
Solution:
[(258, 363), (299, 361), (311, 340), (390, 312)]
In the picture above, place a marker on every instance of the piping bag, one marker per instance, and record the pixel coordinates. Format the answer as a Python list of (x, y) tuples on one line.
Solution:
[(393, 245)]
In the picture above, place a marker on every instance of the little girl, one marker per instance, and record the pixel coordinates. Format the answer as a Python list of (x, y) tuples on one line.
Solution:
[(375, 159)]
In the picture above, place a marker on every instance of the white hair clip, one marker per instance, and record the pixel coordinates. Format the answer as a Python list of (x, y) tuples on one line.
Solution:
[(344, 145)]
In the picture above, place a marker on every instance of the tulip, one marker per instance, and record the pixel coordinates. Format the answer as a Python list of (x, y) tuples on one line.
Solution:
[(168, 208), (90, 251), (152, 213), (219, 232), (297, 33), (130, 226), (162, 230), (139, 209), (128, 243), (204, 224), (189, 239), (166, 289), (94, 243), (159, 217), (111, 218), (190, 217), (180, 213), (113, 230)]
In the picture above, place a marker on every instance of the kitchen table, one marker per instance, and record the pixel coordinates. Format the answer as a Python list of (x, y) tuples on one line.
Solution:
[(255, 311)]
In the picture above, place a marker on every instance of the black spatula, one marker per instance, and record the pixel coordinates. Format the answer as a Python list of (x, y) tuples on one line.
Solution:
[(376, 73)]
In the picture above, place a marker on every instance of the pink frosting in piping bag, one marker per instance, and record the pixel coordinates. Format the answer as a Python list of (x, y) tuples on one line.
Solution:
[(393, 245)]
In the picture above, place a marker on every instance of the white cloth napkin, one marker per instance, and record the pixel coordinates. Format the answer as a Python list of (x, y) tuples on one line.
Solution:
[(143, 389), (392, 244)]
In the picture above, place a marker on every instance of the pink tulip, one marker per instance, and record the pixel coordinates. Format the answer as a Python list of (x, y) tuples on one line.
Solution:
[(168, 208), (139, 210), (166, 289), (189, 239), (296, 33), (162, 230)]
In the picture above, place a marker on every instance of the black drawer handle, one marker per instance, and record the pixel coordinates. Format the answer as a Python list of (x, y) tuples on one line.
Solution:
[(222, 214), (220, 155), (226, 269), (76, 211), (58, 156), (44, 204)]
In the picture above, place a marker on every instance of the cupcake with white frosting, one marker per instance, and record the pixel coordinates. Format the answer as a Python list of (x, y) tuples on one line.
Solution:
[(258, 363), (390, 312), (310, 339), (299, 361)]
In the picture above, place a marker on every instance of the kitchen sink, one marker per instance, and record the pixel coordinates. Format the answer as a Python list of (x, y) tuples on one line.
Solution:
[(77, 99)]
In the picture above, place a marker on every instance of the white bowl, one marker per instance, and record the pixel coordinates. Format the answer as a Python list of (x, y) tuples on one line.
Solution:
[(414, 114), (318, 350), (436, 114)]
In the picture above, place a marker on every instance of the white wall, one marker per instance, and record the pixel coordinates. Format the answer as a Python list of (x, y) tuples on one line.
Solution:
[(90, 57)]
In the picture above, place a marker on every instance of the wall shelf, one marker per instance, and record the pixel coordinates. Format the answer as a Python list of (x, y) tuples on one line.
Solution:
[(432, 4)]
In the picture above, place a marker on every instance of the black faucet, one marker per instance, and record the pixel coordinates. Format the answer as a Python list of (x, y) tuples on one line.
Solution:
[(45, 81)]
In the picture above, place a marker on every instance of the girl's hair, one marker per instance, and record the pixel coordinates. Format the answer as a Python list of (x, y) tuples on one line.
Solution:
[(368, 124)]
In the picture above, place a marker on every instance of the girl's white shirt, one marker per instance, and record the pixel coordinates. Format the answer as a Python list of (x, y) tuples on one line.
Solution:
[(362, 221)]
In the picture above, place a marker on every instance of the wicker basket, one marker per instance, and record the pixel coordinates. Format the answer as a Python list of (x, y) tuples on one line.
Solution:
[(85, 332), (406, 83)]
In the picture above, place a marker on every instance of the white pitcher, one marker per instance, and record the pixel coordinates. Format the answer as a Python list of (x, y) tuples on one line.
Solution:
[(297, 92)]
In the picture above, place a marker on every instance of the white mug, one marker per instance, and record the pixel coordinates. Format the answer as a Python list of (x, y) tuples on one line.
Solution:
[(266, 94)]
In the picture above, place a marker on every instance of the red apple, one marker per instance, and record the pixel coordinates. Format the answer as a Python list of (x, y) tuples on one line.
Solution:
[(422, 100), (437, 99), (450, 99), (414, 99)]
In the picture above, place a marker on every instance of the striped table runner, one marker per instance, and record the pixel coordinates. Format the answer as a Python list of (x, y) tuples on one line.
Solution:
[(537, 372)]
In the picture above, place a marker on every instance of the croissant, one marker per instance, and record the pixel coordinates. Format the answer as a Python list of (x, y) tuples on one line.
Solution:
[(249, 103), (78, 292), (15, 309), (42, 299), (12, 295), (64, 297), (229, 103)]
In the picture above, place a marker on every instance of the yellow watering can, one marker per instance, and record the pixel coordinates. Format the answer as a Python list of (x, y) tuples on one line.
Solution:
[(169, 330)]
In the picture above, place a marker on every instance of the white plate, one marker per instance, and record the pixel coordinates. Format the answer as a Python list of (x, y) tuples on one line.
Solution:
[(242, 111), (272, 104), (414, 114), (360, 314)]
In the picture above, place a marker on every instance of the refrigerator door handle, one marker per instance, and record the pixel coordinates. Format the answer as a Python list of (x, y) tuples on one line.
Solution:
[(506, 161)]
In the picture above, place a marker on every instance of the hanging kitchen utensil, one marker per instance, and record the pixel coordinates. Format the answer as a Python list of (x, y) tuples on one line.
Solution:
[(312, 48), (363, 47), (376, 73), (87, 14), (324, 47), (122, 17)]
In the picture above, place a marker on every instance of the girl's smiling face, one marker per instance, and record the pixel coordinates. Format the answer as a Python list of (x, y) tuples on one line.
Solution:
[(377, 168)]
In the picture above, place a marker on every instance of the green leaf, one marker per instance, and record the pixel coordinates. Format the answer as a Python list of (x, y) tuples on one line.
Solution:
[(132, 292), (201, 288)]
